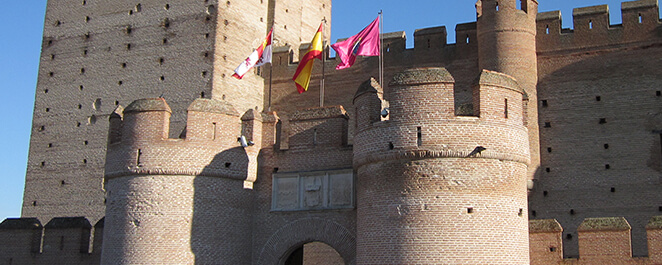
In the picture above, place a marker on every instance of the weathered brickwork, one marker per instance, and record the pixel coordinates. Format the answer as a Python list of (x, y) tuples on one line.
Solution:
[(522, 143)]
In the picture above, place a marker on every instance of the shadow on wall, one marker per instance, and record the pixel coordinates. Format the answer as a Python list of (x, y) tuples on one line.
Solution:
[(221, 225), (600, 116)]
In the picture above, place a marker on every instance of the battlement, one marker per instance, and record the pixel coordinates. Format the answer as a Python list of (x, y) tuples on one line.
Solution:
[(592, 28), (209, 147), (67, 240), (422, 120), (604, 240)]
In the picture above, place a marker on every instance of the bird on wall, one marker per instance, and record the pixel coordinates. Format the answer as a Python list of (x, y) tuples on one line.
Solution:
[(477, 151)]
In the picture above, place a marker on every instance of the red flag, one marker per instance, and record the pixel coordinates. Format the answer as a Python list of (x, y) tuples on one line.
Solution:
[(366, 43)]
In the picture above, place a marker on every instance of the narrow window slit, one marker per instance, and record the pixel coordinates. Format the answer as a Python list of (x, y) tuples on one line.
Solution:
[(419, 136), (314, 136), (138, 154)]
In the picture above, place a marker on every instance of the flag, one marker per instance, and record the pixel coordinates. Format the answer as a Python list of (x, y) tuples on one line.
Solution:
[(305, 68), (260, 56), (366, 43)]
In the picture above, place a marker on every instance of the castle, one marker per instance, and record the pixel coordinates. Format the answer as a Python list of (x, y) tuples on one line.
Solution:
[(522, 143)]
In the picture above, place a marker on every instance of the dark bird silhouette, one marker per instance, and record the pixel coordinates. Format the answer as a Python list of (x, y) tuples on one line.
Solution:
[(477, 151)]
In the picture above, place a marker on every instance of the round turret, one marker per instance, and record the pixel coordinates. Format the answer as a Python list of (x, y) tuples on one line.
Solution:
[(435, 187), (507, 44), (178, 201)]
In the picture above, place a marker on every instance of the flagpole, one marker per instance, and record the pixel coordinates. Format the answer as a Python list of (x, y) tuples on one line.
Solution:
[(323, 63), (271, 67), (381, 48)]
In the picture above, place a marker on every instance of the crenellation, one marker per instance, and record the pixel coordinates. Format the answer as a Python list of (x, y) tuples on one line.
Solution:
[(592, 28), (603, 240)]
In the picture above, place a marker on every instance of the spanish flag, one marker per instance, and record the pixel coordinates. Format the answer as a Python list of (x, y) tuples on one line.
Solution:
[(305, 68)]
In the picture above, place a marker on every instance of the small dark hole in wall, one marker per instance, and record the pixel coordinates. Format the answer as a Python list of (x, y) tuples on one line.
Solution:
[(43, 163), (544, 193), (62, 182), (390, 145), (86, 143), (548, 169), (568, 236), (602, 121), (228, 164), (50, 145), (34, 203), (470, 210), (549, 149), (659, 208), (606, 146), (521, 212), (42, 128), (548, 124), (80, 87), (128, 46), (552, 249), (598, 98), (544, 103), (84, 161), (276, 170), (162, 78), (80, 106), (51, 74), (45, 91), (119, 83), (572, 211), (658, 93), (202, 94), (612, 189), (534, 213), (607, 166)]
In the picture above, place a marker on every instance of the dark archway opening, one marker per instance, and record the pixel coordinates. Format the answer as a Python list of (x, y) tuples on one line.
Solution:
[(296, 258)]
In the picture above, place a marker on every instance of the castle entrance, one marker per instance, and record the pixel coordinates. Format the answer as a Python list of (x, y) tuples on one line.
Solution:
[(314, 253)]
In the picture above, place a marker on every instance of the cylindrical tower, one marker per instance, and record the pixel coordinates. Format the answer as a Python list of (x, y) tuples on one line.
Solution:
[(507, 44), (436, 188), (177, 201)]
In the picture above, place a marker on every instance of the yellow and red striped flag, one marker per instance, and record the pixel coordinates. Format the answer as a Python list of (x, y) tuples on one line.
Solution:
[(305, 68)]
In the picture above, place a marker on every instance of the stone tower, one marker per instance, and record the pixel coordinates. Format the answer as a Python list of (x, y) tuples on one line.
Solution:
[(507, 44), (424, 193), (97, 55), (166, 195)]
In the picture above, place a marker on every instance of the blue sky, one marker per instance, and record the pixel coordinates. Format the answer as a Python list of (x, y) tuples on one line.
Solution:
[(21, 27)]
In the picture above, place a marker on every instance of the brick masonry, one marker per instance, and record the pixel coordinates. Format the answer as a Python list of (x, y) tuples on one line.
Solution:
[(572, 115)]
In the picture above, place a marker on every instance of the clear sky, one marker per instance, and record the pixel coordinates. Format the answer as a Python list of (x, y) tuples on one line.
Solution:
[(21, 27)]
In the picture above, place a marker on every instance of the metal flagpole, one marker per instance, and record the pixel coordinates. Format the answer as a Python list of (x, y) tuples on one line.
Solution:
[(381, 48), (323, 63)]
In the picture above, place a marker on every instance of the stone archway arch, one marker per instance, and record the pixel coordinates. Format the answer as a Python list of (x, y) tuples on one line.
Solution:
[(303, 231)]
